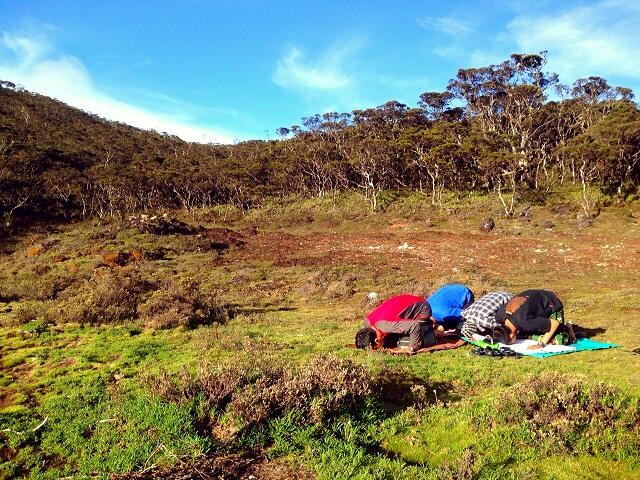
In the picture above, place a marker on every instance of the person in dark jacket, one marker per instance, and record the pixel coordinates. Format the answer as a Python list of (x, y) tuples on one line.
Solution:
[(402, 315), (532, 312)]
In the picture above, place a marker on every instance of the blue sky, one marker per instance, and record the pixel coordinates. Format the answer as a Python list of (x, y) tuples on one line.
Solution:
[(229, 70)]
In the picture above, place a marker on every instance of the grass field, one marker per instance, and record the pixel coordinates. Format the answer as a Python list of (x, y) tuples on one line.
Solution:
[(182, 358)]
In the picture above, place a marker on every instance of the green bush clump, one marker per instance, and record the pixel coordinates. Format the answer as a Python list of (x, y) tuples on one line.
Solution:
[(576, 415), (244, 397), (108, 297), (183, 303)]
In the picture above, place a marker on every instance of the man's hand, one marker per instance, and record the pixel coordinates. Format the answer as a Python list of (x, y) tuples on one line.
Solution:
[(535, 347)]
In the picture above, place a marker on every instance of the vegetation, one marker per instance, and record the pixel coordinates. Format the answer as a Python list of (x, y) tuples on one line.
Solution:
[(494, 129), (269, 377), (169, 308)]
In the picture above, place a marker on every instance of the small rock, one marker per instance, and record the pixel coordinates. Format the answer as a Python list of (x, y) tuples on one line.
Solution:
[(372, 296), (371, 299), (548, 224), (524, 213), (487, 225)]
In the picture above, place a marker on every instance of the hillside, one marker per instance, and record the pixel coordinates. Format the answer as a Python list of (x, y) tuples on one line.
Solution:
[(178, 310), (509, 129)]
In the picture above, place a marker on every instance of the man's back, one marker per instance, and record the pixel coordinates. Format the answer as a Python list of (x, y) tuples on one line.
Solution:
[(448, 301)]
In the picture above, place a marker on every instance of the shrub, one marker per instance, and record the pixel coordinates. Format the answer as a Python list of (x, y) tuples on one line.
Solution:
[(182, 304), (35, 284), (216, 383), (108, 297), (26, 312), (325, 387), (577, 415), (251, 394)]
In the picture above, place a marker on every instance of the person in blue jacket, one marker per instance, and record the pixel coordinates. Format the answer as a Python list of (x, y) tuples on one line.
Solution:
[(448, 302)]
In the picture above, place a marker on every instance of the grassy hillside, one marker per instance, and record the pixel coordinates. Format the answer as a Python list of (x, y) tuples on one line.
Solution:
[(125, 351)]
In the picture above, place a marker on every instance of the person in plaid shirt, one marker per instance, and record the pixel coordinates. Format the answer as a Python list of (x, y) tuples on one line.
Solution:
[(480, 316)]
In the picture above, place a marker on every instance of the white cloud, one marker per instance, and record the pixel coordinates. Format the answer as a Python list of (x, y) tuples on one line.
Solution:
[(27, 49), (448, 25), (65, 78), (600, 39), (295, 70)]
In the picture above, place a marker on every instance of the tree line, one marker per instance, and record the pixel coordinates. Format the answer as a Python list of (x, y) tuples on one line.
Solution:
[(511, 129)]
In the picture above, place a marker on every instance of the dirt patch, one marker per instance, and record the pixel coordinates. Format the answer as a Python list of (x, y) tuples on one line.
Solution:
[(245, 466), (65, 362), (438, 252)]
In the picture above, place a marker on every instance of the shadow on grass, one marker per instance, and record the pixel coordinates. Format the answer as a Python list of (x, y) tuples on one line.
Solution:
[(587, 332), (399, 389), (244, 310)]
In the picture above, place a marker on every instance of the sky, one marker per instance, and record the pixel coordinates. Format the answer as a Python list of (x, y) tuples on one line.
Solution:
[(231, 70)]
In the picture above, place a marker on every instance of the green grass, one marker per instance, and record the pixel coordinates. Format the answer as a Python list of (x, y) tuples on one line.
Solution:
[(86, 380)]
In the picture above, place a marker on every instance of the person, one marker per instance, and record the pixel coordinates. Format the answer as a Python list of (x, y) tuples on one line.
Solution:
[(480, 317), (532, 312), (398, 316), (447, 304)]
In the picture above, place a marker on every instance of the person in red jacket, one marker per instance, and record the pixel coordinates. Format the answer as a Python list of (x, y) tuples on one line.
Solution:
[(400, 315)]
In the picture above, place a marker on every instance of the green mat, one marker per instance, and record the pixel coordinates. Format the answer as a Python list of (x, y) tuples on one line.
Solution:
[(581, 345)]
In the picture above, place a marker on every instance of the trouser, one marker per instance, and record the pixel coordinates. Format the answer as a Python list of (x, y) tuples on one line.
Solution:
[(427, 334)]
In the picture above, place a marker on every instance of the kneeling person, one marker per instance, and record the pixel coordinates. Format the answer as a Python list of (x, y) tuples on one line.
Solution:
[(401, 315), (480, 317), (447, 304), (532, 312)]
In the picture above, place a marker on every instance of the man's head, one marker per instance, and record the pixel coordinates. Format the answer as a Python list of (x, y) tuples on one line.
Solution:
[(366, 337), (505, 333)]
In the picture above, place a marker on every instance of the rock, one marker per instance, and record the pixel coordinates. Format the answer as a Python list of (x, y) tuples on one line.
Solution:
[(372, 297), (524, 213), (548, 224), (487, 225)]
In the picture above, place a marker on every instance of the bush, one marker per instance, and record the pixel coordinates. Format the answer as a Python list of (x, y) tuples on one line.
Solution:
[(182, 304), (26, 312), (247, 396), (574, 414), (108, 297), (325, 387), (33, 284)]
